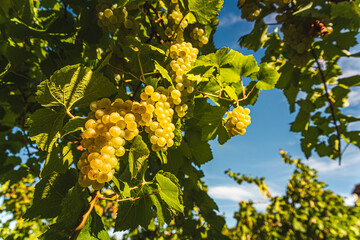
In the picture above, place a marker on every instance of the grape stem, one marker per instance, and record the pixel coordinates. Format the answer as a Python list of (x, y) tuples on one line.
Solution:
[(205, 94), (127, 199), (95, 196), (323, 78), (129, 73), (69, 113), (160, 19), (154, 30), (177, 27)]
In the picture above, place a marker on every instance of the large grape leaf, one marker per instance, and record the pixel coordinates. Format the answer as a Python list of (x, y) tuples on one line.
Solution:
[(94, 229), (161, 200), (267, 77), (205, 10), (56, 162), (73, 125), (139, 152), (211, 121), (169, 192), (256, 38), (45, 125), (239, 66), (72, 208), (49, 193), (200, 150), (218, 59), (134, 213), (73, 86)]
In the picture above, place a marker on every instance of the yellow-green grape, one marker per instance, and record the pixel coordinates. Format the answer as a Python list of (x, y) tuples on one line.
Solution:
[(250, 10), (102, 177), (199, 37), (84, 181), (120, 151), (96, 164), (96, 185), (149, 89), (238, 121)]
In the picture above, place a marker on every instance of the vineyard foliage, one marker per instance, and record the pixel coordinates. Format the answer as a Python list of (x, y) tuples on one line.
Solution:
[(107, 107)]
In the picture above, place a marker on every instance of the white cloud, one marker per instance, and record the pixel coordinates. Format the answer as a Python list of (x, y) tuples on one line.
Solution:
[(229, 19), (237, 193), (348, 199), (354, 96), (350, 165), (349, 66)]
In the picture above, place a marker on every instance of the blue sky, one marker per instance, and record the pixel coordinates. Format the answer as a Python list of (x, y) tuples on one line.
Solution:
[(257, 152)]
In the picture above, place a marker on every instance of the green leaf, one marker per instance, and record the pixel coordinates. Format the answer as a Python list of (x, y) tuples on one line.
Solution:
[(218, 59), (73, 86), (205, 10), (267, 77), (139, 152), (231, 92), (178, 133), (72, 209), (200, 73), (211, 120), (131, 214), (239, 66), (299, 226), (50, 192), (303, 8), (94, 229), (169, 192), (256, 38), (163, 72), (350, 81), (45, 126), (73, 125), (55, 162), (162, 156), (199, 149)]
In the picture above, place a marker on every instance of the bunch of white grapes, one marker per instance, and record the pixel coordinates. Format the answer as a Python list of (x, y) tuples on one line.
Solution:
[(176, 22), (238, 120), (109, 127), (199, 37), (159, 105)]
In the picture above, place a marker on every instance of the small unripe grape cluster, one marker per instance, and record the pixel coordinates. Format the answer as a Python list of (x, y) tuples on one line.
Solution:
[(159, 108), (250, 10), (109, 127), (199, 37), (176, 23), (238, 121), (111, 18), (297, 42)]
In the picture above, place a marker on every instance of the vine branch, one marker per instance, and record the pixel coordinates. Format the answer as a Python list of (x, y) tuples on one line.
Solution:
[(95, 196), (323, 78), (154, 30)]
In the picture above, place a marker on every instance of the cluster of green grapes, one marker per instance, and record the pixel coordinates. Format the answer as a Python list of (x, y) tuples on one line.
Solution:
[(111, 18), (297, 43), (199, 37), (108, 128), (159, 109), (183, 57), (111, 125), (250, 10), (238, 120), (176, 22)]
